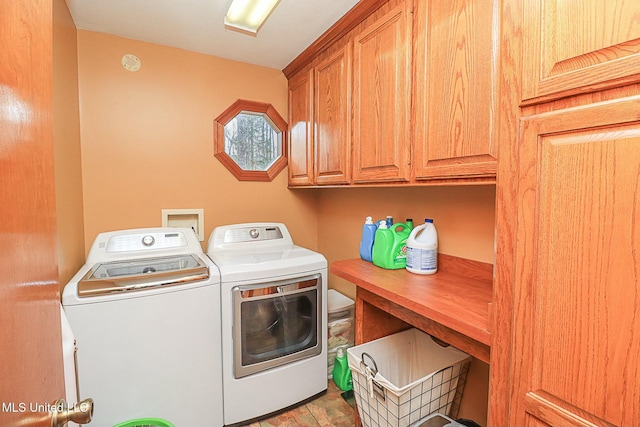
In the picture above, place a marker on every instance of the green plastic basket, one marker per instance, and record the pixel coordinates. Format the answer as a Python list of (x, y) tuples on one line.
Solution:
[(146, 422)]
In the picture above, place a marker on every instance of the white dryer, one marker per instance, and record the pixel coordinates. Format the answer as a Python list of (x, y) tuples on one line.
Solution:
[(145, 311), (274, 319)]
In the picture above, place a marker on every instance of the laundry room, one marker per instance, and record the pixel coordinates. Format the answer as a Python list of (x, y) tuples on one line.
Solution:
[(144, 142), (509, 126), (130, 144)]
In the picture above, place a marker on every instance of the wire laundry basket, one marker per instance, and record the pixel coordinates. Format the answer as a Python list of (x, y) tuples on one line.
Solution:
[(402, 378)]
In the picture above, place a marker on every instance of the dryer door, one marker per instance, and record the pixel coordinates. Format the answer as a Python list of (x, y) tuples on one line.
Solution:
[(276, 323)]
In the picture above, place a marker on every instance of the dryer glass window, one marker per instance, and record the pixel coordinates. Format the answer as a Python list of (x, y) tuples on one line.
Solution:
[(278, 323)]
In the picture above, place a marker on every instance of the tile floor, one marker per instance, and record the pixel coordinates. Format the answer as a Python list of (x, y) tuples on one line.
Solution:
[(327, 410)]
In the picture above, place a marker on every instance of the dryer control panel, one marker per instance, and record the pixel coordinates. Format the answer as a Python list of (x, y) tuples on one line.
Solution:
[(250, 236)]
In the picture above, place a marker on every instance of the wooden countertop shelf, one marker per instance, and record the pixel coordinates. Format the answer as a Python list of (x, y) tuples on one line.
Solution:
[(452, 305)]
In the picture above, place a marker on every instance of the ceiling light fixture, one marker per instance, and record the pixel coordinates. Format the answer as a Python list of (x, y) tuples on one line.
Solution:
[(247, 16)]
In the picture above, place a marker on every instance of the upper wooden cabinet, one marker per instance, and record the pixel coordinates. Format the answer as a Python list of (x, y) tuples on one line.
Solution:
[(407, 95), (301, 129), (332, 118), (454, 95), (579, 46), (381, 98)]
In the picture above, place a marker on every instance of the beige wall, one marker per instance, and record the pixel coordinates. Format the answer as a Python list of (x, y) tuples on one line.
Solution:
[(147, 139), (66, 136), (463, 216)]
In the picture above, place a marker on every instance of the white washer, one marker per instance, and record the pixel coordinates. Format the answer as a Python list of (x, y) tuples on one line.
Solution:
[(274, 319), (145, 310)]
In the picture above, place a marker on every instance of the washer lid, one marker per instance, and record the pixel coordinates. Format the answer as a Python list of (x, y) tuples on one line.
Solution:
[(142, 273)]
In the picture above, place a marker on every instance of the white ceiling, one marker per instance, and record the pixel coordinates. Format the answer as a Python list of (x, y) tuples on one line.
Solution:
[(198, 25)]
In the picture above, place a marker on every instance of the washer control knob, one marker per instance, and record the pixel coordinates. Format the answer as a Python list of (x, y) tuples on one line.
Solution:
[(254, 233), (148, 240)]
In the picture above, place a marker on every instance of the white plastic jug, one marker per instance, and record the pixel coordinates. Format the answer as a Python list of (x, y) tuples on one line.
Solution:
[(422, 249)]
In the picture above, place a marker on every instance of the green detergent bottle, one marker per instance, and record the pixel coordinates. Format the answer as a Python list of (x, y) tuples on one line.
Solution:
[(390, 246), (341, 371)]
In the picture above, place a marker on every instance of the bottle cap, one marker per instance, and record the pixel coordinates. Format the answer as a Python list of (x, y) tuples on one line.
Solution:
[(428, 220), (383, 224), (368, 220)]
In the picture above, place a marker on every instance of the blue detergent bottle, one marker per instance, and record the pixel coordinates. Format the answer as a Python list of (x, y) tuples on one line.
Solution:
[(368, 236), (389, 221)]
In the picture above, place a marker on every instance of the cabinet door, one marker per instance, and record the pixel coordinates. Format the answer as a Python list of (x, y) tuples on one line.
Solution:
[(381, 99), (454, 89), (332, 121), (577, 275), (301, 129), (579, 45)]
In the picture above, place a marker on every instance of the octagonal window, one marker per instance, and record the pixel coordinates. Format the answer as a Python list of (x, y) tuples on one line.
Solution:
[(250, 140)]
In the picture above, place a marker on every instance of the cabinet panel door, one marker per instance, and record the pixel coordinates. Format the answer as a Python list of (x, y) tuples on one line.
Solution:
[(301, 129), (577, 275), (332, 118), (579, 45), (381, 99), (455, 88)]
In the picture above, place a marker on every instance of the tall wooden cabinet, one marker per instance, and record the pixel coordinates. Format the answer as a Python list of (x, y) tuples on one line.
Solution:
[(454, 92), (567, 287), (577, 272)]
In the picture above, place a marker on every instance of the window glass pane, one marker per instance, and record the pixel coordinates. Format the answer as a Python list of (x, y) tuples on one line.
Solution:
[(252, 141)]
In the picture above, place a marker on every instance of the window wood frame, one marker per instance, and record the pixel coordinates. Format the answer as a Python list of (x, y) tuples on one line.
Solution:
[(240, 106)]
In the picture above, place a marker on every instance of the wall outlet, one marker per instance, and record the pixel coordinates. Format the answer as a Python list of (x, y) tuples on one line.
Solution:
[(185, 218)]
